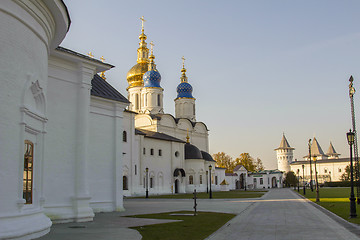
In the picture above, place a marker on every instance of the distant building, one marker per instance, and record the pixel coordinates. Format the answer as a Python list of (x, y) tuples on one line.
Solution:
[(329, 166)]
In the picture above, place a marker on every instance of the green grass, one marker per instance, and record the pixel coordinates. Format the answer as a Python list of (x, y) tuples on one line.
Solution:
[(216, 195), (191, 227), (335, 200)]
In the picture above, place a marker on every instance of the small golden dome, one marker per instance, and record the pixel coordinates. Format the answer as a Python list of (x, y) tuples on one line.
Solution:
[(135, 74)]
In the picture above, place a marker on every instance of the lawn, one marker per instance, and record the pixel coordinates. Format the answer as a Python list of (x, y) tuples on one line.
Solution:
[(335, 200), (215, 195), (191, 227)]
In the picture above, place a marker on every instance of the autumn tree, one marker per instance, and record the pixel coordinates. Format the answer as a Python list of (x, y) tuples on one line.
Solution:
[(259, 165), (247, 161), (224, 160)]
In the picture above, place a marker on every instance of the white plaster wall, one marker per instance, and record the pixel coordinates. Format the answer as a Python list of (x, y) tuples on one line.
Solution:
[(105, 155), (27, 32)]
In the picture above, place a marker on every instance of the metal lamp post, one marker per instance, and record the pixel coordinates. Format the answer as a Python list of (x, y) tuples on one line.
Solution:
[(210, 195), (311, 183), (303, 166), (207, 182), (317, 182), (351, 138), (298, 182), (146, 182)]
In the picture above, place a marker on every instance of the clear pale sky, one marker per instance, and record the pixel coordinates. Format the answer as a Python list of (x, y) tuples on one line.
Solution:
[(258, 68)]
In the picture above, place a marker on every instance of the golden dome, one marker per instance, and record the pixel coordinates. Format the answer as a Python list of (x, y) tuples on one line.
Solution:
[(135, 74)]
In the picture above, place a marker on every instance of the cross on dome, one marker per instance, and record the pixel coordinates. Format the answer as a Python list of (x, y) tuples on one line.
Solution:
[(152, 47), (142, 23)]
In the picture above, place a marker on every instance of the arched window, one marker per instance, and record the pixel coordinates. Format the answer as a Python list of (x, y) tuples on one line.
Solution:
[(125, 183), (124, 136), (136, 101), (151, 182), (152, 151), (158, 100), (191, 179), (28, 171), (160, 152)]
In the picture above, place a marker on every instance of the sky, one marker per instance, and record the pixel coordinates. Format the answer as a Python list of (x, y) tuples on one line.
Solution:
[(258, 68)]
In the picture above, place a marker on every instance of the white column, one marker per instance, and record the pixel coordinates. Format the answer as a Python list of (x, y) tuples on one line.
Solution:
[(81, 206)]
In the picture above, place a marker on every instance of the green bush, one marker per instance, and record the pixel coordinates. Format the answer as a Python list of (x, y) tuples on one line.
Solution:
[(338, 184)]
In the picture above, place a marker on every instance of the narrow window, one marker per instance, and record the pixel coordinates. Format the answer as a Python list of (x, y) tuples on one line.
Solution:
[(158, 100), (191, 179), (216, 180), (124, 136), (152, 151), (201, 179), (177, 154), (151, 182), (144, 151), (125, 183), (325, 170), (261, 181), (160, 152), (135, 169), (339, 169), (28, 171), (136, 101)]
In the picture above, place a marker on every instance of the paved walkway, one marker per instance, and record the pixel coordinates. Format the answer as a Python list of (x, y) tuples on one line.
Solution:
[(283, 214), (279, 214)]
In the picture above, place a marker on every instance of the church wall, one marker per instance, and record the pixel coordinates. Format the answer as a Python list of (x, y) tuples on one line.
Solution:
[(105, 155), (131, 155), (67, 151), (161, 168), (27, 31)]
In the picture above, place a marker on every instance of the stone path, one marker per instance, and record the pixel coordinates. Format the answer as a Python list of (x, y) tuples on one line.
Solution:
[(279, 214), (283, 214)]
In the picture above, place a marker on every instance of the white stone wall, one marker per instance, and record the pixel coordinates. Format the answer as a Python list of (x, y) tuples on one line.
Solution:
[(106, 155), (28, 34)]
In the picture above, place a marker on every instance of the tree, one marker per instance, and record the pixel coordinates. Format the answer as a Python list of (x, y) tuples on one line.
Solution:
[(346, 175), (247, 161), (224, 160), (290, 179), (259, 165)]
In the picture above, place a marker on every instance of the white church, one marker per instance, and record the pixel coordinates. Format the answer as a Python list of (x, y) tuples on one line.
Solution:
[(71, 144), (329, 166)]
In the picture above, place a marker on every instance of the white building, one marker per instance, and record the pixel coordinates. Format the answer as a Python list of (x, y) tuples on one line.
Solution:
[(328, 166), (61, 125), (156, 156)]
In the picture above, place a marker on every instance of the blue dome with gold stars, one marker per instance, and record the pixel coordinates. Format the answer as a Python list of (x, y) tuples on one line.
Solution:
[(152, 78), (184, 90)]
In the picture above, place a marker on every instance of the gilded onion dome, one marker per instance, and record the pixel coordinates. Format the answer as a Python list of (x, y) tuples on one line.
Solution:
[(135, 74), (152, 77), (184, 89)]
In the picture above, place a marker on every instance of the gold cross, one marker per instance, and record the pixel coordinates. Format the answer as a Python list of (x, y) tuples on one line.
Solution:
[(183, 59), (90, 54), (142, 22), (102, 58), (152, 47)]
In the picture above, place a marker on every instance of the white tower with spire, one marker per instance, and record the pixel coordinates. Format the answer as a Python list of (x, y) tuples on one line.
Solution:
[(185, 102), (284, 155)]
